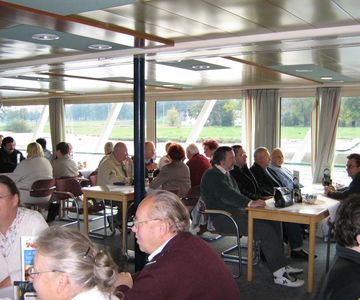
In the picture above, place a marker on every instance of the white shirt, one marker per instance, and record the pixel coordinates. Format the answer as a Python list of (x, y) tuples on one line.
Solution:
[(94, 294), (158, 250)]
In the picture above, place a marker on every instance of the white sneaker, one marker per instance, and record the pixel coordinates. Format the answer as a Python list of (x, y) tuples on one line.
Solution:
[(291, 270), (288, 280)]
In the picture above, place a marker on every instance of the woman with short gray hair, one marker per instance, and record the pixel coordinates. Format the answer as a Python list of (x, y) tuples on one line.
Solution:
[(68, 266)]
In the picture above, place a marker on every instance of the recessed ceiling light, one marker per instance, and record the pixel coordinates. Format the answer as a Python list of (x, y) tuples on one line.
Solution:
[(19, 88), (100, 47), (45, 37), (168, 85), (304, 70), (326, 77), (200, 67), (129, 80)]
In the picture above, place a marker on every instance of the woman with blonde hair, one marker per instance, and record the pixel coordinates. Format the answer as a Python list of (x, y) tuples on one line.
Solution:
[(33, 168), (68, 266)]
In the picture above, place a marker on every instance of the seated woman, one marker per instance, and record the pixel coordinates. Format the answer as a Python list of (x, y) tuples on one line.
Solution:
[(15, 222), (33, 168), (175, 175), (68, 266)]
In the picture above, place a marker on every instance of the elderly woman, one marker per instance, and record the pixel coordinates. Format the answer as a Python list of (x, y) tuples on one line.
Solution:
[(175, 175), (68, 266), (14, 222), (33, 168)]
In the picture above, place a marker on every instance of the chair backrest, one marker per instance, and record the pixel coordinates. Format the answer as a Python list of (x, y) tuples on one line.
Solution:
[(42, 187), (68, 185)]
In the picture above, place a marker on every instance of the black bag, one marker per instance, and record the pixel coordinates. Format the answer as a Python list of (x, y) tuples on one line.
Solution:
[(283, 197)]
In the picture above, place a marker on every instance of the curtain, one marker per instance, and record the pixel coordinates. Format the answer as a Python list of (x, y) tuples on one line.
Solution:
[(248, 120), (57, 120), (324, 126), (266, 115)]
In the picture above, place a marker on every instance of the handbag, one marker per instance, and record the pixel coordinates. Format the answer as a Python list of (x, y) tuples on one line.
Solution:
[(283, 197)]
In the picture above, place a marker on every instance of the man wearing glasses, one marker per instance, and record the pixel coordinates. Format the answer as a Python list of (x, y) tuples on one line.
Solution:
[(181, 266), (353, 170)]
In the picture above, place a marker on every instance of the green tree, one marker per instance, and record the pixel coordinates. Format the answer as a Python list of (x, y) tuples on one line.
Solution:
[(173, 117), (350, 111)]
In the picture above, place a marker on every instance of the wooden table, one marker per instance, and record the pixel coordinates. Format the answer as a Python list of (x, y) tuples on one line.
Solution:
[(298, 213), (123, 194)]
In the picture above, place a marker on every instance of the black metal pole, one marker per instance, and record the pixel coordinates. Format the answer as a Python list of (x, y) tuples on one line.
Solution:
[(139, 139)]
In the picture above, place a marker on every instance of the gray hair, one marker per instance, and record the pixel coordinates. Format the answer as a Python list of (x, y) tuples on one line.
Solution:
[(73, 254), (192, 149), (168, 206)]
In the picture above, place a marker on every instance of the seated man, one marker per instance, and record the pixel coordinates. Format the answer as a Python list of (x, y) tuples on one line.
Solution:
[(63, 165), (197, 164), (149, 159), (245, 180), (283, 174), (342, 281), (116, 167), (353, 170), (9, 156), (181, 266), (267, 180), (219, 190)]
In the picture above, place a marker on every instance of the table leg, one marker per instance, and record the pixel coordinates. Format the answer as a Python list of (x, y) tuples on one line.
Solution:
[(86, 215), (310, 284), (124, 227), (250, 246)]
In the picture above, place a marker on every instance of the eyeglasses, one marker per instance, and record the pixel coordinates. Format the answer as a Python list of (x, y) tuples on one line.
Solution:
[(33, 273), (137, 223)]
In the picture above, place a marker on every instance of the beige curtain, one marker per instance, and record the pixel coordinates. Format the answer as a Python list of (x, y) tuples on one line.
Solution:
[(247, 132), (266, 118), (57, 120), (324, 118)]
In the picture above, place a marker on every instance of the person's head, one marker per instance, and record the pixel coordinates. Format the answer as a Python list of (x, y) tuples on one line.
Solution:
[(262, 157), (9, 200), (240, 155), (167, 146), (67, 263), (225, 157), (62, 149), (277, 157), (8, 144), (159, 216), (149, 150), (176, 152), (34, 150), (209, 147), (347, 224), (108, 148), (353, 164), (191, 150), (120, 152), (42, 142)]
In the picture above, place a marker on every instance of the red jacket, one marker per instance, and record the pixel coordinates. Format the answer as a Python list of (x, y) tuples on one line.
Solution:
[(198, 164)]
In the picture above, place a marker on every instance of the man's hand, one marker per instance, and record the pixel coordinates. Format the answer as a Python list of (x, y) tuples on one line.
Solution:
[(124, 278), (257, 203), (329, 189)]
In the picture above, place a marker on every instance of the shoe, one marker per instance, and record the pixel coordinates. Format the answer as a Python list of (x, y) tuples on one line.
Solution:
[(288, 280), (293, 271), (300, 254)]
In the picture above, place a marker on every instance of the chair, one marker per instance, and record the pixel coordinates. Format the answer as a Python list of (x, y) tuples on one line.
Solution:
[(40, 193), (328, 244), (226, 225), (192, 197)]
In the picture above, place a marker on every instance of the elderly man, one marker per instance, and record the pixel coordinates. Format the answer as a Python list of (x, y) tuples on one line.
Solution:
[(267, 180), (181, 266), (283, 174), (342, 281), (149, 159), (9, 156), (219, 190), (197, 164), (117, 167), (353, 170)]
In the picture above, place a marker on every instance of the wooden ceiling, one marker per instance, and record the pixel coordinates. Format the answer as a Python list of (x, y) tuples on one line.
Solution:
[(190, 46)]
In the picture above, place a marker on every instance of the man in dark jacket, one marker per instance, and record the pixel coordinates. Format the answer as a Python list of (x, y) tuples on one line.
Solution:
[(9, 156), (353, 170), (342, 281)]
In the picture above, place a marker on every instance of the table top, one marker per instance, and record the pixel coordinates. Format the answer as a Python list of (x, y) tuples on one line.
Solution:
[(122, 189)]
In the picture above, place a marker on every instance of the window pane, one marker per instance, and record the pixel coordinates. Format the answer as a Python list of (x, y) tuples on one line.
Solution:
[(347, 136), (90, 126), (25, 124), (177, 120), (296, 135)]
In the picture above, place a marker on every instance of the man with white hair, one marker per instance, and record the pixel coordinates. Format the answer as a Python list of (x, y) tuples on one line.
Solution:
[(197, 164)]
